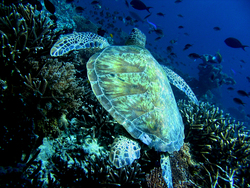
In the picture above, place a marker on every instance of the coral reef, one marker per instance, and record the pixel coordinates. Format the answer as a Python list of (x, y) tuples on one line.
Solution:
[(32, 102), (219, 144), (39, 87), (154, 178), (23, 33), (212, 76), (84, 25), (78, 155), (182, 165), (41, 93)]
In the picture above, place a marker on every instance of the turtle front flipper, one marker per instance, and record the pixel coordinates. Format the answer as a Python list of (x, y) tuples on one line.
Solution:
[(78, 41), (124, 151), (166, 169), (178, 82)]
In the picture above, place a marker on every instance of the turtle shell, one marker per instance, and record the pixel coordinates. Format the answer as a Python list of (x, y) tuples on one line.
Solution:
[(132, 86)]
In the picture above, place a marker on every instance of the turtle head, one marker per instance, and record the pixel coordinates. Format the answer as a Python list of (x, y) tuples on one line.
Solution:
[(136, 37)]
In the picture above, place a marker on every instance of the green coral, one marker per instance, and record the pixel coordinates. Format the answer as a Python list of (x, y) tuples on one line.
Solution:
[(220, 145)]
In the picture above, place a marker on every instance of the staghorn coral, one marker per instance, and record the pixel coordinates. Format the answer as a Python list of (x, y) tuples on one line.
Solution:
[(25, 36), (24, 33), (218, 143)]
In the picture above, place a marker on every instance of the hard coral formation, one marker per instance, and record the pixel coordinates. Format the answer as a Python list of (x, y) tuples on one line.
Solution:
[(211, 76), (63, 86), (23, 33), (75, 158), (84, 25), (91, 146), (182, 165), (219, 144), (39, 87), (154, 178)]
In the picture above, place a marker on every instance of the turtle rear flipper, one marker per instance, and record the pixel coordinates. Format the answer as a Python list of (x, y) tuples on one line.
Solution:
[(166, 169), (178, 82), (124, 151), (78, 41)]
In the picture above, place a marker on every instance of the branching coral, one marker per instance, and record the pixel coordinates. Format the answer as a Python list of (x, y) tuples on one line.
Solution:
[(24, 33), (220, 144), (40, 87), (25, 36)]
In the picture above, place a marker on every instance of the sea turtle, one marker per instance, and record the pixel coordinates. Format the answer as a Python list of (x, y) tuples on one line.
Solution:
[(134, 88)]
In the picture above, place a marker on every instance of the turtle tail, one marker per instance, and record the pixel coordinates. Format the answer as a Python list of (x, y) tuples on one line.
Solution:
[(78, 41), (147, 8), (243, 47)]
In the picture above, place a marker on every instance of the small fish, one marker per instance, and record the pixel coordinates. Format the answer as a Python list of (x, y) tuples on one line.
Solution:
[(173, 54), (147, 16), (238, 101), (180, 15), (96, 4), (180, 27), (218, 56), (230, 88), (173, 41), (158, 38), (216, 28), (49, 6), (79, 9), (243, 93), (111, 35), (159, 32), (194, 56), (248, 115), (248, 78), (139, 5), (242, 61), (152, 25), (234, 43), (178, 1), (169, 49), (160, 14), (187, 46), (127, 4), (232, 72)]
